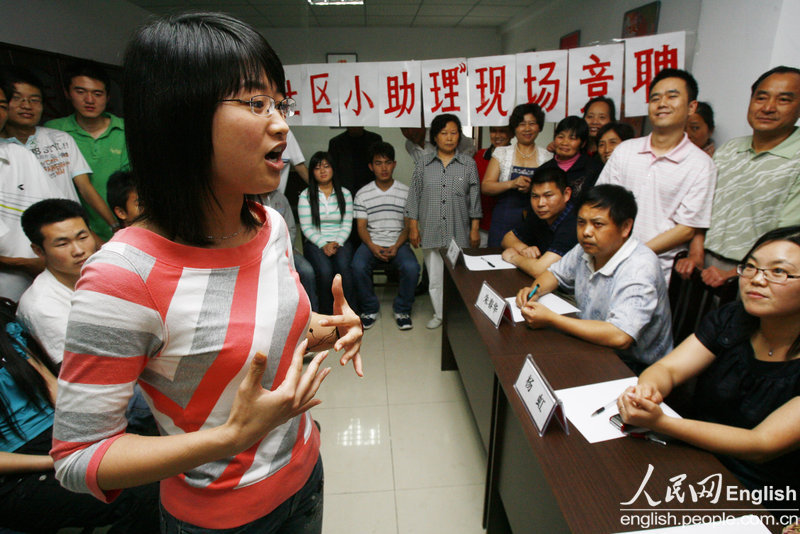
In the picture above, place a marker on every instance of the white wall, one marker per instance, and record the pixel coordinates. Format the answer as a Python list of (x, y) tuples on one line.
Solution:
[(91, 29)]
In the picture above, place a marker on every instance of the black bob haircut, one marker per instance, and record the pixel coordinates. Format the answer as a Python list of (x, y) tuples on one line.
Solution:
[(119, 186), (706, 113), (550, 174), (623, 130), (620, 202), (49, 211), (691, 83), (14, 74), (176, 70), (577, 126), (381, 148), (440, 121), (89, 69), (519, 112), (781, 69), (612, 108)]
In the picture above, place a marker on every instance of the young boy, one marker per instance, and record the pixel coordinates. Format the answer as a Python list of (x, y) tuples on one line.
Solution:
[(378, 210), (122, 197)]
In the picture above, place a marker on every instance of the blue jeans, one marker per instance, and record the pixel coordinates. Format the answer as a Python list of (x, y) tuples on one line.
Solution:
[(325, 268), (299, 514), (406, 264), (307, 277)]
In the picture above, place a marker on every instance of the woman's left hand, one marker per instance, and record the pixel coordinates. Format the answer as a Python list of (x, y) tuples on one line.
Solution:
[(637, 410), (348, 325)]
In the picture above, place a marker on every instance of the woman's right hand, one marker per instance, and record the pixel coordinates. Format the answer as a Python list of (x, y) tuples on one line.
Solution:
[(330, 248), (522, 184), (413, 236), (257, 411)]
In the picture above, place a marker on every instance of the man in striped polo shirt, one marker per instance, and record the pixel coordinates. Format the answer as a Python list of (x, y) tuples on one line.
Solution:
[(378, 210)]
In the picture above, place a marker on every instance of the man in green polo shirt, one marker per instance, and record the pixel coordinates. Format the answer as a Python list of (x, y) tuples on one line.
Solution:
[(100, 136)]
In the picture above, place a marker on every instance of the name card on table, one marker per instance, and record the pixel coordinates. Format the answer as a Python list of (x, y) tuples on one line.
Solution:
[(539, 398), (491, 304), (453, 251)]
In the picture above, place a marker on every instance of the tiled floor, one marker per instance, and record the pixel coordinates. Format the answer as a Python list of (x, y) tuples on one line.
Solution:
[(401, 452)]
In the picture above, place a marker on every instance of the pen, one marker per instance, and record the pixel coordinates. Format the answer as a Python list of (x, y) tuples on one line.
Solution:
[(644, 435), (604, 407), (530, 296), (487, 261)]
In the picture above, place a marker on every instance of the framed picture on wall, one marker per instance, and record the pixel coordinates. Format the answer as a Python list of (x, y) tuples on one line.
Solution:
[(642, 20), (342, 58), (570, 40)]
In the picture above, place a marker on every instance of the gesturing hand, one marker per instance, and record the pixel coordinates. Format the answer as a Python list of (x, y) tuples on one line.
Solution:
[(348, 325)]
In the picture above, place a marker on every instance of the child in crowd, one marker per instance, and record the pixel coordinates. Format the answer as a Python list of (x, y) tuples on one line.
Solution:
[(122, 197)]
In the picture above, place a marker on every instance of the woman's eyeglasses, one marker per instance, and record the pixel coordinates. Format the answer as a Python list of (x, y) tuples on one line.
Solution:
[(264, 105), (775, 275)]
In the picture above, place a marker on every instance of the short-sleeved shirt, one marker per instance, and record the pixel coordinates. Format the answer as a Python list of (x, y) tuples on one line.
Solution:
[(444, 199), (106, 155), (629, 292), (676, 188), (559, 237), (383, 211), (770, 183), (44, 310), (739, 390)]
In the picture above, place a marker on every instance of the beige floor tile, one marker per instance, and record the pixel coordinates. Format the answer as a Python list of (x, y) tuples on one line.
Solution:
[(360, 513), (451, 510), (343, 387)]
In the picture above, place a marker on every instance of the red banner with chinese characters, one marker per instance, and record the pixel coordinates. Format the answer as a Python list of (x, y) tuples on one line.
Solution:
[(542, 79), (444, 88), (594, 71), (644, 58)]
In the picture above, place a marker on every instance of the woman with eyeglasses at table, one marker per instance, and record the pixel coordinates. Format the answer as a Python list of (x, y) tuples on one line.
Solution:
[(199, 302), (746, 357)]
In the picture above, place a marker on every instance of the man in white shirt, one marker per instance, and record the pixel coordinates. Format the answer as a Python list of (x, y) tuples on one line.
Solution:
[(59, 234), (673, 180)]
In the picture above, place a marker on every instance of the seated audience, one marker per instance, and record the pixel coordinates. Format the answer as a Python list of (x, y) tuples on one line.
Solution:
[(32, 499), (617, 283), (122, 197), (763, 168), (55, 150), (508, 176), (610, 136), (571, 139), (549, 232), (700, 128), (378, 210), (672, 179), (498, 136), (325, 210), (745, 357), (58, 230)]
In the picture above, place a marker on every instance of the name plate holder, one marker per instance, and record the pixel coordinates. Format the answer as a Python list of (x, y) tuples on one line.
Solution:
[(491, 304), (539, 397), (453, 253)]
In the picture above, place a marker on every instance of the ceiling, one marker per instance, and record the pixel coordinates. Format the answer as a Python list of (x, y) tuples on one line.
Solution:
[(397, 13)]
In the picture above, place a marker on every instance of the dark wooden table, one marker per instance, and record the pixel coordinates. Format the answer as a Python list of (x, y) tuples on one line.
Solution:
[(559, 482)]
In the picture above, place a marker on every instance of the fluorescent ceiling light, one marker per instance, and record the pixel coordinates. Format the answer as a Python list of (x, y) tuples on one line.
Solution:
[(336, 2)]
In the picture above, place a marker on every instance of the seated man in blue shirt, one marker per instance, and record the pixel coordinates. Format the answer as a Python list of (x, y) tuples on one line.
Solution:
[(617, 282), (548, 232)]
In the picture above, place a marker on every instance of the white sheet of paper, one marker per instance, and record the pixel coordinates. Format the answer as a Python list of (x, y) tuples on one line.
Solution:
[(746, 524), (581, 401), (481, 263), (554, 302)]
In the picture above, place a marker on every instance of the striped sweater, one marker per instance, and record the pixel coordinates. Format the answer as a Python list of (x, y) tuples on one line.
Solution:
[(185, 322), (333, 226)]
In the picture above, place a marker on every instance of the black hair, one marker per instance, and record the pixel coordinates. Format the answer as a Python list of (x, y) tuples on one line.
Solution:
[(577, 126), (90, 69), (707, 114), (691, 83), (381, 148), (781, 69), (623, 130), (313, 188), (30, 383), (6, 87), (119, 187), (519, 112), (440, 121), (49, 211), (14, 74), (551, 174), (620, 202), (786, 233), (169, 136), (612, 108)]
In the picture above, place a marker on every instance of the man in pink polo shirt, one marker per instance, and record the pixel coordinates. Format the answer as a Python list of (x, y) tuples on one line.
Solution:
[(673, 180)]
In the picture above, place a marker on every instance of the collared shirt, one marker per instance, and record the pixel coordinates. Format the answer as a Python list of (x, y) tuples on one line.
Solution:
[(755, 193), (676, 188), (106, 155), (558, 237), (444, 199), (629, 292)]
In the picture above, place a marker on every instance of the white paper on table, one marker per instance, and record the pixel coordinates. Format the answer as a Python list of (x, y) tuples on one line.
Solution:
[(481, 263), (581, 401), (554, 302), (746, 524)]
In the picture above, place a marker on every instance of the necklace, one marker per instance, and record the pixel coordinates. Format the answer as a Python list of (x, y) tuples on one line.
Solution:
[(224, 237), (524, 155)]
